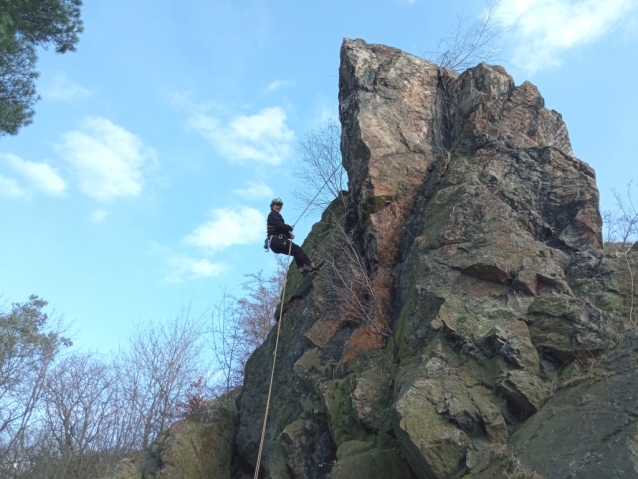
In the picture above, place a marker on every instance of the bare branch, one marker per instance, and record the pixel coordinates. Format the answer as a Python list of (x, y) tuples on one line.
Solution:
[(621, 230), (240, 325), (320, 169), (470, 41), (346, 279)]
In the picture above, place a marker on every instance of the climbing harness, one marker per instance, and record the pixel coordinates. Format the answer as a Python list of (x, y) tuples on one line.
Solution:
[(281, 311), (269, 240)]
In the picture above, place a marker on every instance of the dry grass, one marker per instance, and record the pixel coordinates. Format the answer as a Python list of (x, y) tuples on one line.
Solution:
[(347, 281), (514, 468), (497, 450)]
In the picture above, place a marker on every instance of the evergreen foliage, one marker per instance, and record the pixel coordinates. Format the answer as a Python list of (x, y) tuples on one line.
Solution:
[(24, 26), (30, 340)]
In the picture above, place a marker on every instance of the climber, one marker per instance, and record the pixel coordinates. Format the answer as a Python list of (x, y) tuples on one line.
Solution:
[(279, 234)]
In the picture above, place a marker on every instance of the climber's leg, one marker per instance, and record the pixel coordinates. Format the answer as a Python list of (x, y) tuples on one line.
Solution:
[(301, 258)]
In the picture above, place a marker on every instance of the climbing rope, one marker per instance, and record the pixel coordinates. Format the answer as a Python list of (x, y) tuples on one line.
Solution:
[(272, 373), (281, 311), (315, 197)]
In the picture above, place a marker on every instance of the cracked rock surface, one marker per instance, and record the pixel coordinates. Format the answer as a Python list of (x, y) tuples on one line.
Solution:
[(588, 430)]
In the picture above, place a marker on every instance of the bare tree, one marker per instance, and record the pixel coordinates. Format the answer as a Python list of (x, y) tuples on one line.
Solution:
[(195, 398), (347, 280), (622, 224), (240, 325), (609, 234), (158, 368), (30, 340), (76, 416), (78, 403), (226, 343), (77, 434), (257, 307), (621, 230), (320, 171), (470, 41)]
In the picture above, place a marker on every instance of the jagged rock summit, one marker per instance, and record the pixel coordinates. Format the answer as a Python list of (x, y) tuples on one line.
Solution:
[(486, 336)]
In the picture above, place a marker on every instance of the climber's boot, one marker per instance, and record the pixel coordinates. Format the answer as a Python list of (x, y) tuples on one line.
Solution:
[(314, 269)]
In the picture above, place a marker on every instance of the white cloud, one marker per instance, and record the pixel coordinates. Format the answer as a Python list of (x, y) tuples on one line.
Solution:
[(254, 190), (185, 267), (544, 29), (229, 227), (9, 187), (98, 216), (180, 267), (277, 84), (41, 175), (108, 159), (182, 100), (63, 89), (263, 137)]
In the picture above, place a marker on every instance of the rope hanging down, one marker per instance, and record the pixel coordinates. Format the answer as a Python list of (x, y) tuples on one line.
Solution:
[(272, 373), (281, 311), (318, 192)]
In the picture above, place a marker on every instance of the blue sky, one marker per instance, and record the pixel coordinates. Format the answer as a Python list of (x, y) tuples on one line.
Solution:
[(144, 181)]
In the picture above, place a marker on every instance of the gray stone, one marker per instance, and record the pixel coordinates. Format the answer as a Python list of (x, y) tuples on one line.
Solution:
[(588, 430)]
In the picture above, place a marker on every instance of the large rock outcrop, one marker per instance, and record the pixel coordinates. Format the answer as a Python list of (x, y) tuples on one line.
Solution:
[(481, 238), (481, 330)]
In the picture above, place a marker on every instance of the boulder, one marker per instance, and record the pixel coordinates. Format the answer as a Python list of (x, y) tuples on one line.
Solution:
[(197, 447), (589, 429)]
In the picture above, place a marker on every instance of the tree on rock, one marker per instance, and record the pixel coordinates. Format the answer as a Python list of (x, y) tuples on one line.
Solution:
[(471, 42), (24, 26)]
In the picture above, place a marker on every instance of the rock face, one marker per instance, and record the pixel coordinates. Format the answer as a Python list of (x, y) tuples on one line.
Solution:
[(387, 107), (588, 430), (480, 332), (480, 236), (198, 447)]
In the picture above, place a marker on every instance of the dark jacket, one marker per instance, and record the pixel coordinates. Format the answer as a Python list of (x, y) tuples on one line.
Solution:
[(276, 225)]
